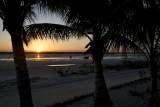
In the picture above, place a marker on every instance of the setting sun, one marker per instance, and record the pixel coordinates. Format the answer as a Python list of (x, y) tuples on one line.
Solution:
[(38, 50), (40, 46), (50, 46)]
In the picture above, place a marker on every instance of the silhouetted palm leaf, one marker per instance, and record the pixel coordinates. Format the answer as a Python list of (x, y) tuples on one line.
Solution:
[(51, 31)]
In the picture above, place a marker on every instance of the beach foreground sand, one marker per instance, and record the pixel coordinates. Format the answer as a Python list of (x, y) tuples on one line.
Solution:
[(50, 87), (133, 94)]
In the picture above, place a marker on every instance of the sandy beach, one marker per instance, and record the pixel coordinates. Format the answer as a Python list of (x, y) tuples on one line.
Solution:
[(53, 84)]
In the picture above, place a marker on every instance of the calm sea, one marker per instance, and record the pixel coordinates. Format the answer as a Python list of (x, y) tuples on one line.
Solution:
[(65, 56), (44, 56)]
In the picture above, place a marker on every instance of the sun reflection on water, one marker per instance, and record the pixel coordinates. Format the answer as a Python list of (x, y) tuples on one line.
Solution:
[(38, 56)]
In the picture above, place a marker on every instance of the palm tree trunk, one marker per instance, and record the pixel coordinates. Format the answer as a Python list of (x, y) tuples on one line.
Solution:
[(101, 95), (154, 89), (23, 81)]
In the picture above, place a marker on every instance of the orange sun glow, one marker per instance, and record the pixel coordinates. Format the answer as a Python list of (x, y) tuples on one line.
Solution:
[(39, 46)]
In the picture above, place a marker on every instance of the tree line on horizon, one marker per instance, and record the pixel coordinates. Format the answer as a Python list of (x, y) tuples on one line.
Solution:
[(122, 25)]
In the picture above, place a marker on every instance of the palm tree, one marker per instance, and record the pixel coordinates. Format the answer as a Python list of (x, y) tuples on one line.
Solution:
[(14, 14), (139, 22), (92, 17)]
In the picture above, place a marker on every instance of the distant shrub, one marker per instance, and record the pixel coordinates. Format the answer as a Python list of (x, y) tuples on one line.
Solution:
[(136, 64), (86, 68), (60, 72)]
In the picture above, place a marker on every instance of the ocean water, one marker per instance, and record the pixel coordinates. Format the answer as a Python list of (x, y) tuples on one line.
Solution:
[(66, 56), (44, 56)]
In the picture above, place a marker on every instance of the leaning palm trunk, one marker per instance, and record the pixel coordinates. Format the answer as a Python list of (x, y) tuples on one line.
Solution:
[(101, 95), (23, 81), (153, 100)]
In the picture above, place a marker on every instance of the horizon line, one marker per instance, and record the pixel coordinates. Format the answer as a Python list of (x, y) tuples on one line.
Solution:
[(1, 52), (46, 52)]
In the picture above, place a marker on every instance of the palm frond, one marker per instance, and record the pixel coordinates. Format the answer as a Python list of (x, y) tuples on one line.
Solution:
[(31, 16), (54, 6), (82, 26), (119, 42), (87, 11), (51, 31), (2, 10)]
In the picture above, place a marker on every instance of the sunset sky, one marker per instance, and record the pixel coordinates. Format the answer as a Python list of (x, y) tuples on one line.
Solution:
[(43, 45)]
